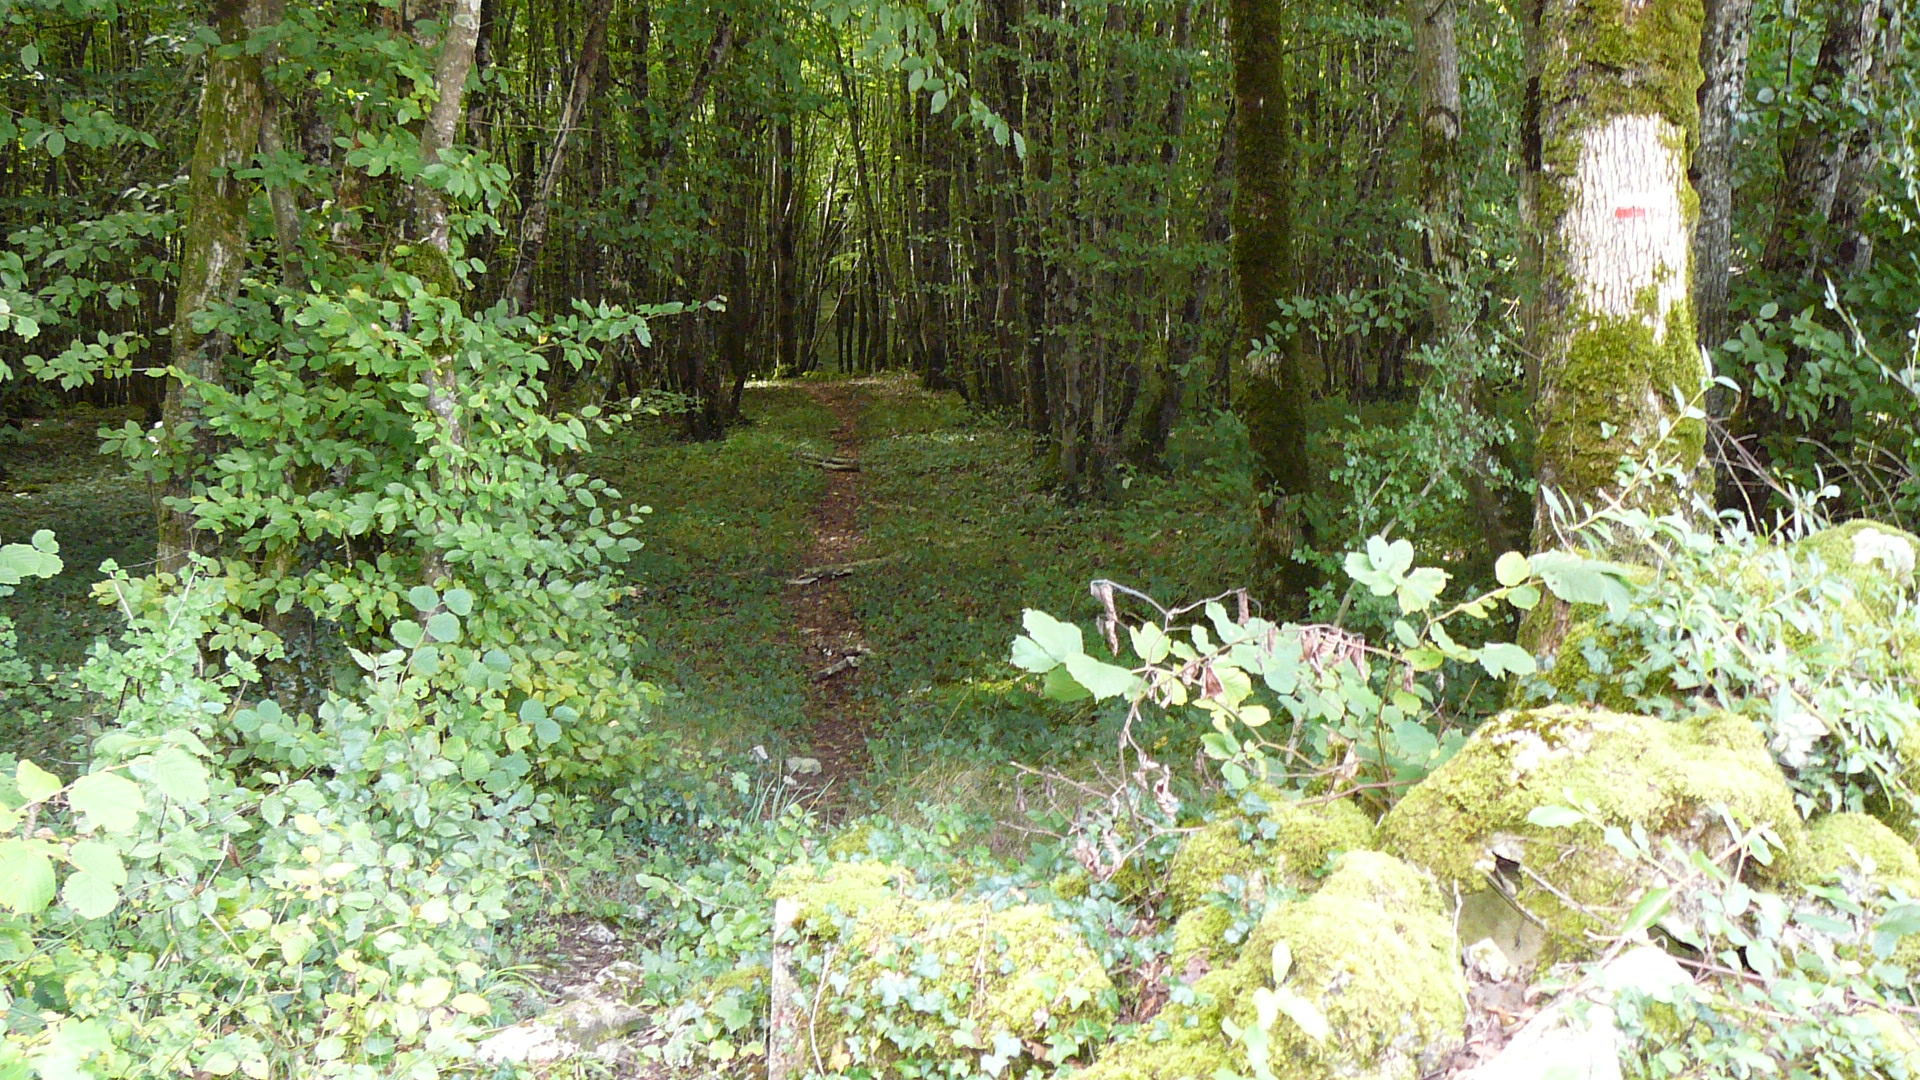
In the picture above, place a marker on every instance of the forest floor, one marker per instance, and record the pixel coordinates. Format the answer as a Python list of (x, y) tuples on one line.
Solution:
[(839, 720)]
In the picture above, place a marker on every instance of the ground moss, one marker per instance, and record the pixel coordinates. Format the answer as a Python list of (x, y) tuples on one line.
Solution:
[(1285, 844), (853, 842), (1373, 950), (1668, 778)]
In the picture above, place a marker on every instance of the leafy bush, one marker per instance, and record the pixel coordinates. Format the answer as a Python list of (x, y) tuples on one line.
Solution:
[(246, 891)]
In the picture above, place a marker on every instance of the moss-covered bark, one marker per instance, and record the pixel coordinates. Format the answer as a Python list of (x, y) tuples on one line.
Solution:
[(1272, 396), (213, 251), (1614, 118)]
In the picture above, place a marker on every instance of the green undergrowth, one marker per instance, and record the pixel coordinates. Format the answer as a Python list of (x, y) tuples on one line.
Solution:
[(998, 539), (52, 476), (55, 478), (729, 526)]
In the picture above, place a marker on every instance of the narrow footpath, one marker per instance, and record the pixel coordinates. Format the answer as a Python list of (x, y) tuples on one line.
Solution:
[(828, 631)]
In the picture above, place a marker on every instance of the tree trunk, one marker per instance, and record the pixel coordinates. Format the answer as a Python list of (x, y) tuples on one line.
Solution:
[(1723, 62), (1610, 224), (213, 255), (430, 229), (533, 223), (1273, 393), (1816, 154)]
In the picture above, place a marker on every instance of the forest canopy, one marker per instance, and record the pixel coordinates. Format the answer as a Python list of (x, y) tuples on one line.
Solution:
[(495, 479)]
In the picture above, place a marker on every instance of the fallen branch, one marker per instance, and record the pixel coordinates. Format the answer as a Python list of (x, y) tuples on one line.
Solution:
[(832, 463), (813, 574), (846, 663)]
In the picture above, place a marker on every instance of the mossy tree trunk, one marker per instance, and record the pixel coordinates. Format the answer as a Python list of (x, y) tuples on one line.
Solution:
[(1273, 393), (213, 255), (430, 229), (1611, 217)]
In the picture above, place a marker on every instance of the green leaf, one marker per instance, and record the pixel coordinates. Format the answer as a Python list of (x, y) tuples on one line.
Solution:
[(29, 56), (1421, 588), (94, 891), (407, 634), (1059, 639), (1101, 679), (1506, 658), (26, 876), (1651, 908), (1029, 656), (106, 801), (1511, 569), (1150, 642), (1524, 598), (1416, 743), (458, 601), (1061, 686), (179, 775), (1580, 580), (35, 782), (19, 562), (423, 598), (444, 627)]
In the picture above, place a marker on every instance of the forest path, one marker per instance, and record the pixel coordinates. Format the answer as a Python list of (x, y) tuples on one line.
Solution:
[(825, 625)]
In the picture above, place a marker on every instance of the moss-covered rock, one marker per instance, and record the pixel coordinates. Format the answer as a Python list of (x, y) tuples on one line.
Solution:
[(1876, 559), (1850, 842), (1200, 938), (1286, 844), (1373, 951), (1667, 778), (942, 981)]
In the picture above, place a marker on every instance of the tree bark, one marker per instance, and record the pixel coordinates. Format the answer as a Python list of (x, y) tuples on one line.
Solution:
[(533, 223), (1610, 226), (1723, 62), (213, 255), (430, 229), (1817, 153), (1273, 393)]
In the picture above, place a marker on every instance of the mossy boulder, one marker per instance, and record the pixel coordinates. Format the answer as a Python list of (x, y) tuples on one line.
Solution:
[(1373, 952), (1849, 842), (1200, 939), (1286, 843), (943, 981), (1876, 559), (1469, 819)]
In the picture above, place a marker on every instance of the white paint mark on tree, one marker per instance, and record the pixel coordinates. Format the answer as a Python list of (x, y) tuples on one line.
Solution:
[(1627, 230)]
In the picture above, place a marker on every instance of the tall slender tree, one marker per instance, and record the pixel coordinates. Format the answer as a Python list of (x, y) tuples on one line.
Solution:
[(1273, 394)]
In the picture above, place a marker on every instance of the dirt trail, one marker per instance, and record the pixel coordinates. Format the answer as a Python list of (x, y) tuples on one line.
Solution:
[(838, 721)]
